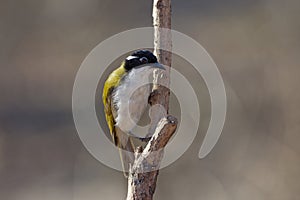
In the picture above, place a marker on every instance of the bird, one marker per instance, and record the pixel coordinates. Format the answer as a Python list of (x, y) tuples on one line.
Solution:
[(125, 99)]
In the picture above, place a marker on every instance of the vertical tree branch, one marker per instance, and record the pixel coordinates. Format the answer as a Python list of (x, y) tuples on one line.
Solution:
[(162, 49), (144, 171)]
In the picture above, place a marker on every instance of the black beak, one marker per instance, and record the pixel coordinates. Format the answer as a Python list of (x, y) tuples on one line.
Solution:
[(158, 65)]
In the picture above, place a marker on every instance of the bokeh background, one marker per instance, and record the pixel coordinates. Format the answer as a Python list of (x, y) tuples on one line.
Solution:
[(256, 46)]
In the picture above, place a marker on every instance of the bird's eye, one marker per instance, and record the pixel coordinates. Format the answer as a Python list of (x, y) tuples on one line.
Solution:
[(143, 60)]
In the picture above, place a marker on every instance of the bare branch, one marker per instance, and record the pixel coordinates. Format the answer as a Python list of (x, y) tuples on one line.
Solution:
[(162, 49), (143, 173)]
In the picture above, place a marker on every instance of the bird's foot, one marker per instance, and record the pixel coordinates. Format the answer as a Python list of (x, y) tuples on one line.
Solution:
[(146, 140)]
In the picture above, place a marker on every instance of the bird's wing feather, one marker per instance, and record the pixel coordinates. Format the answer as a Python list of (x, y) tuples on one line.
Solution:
[(109, 86), (107, 101), (121, 139)]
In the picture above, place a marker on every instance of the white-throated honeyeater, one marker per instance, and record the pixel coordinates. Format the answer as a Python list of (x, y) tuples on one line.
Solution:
[(123, 109)]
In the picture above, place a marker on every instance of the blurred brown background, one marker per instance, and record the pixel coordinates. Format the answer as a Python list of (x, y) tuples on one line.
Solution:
[(256, 46)]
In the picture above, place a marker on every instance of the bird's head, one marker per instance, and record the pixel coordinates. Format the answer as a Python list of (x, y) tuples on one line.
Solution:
[(141, 58)]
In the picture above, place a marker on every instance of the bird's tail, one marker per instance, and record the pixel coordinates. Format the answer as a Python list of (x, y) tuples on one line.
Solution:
[(126, 149)]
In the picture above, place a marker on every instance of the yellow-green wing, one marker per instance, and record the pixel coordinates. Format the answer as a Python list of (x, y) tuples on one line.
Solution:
[(120, 139), (107, 101), (110, 84)]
